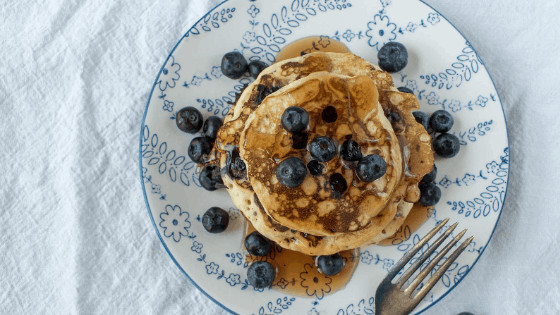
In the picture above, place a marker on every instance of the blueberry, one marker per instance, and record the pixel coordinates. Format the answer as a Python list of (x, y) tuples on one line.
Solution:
[(393, 117), (211, 126), (257, 245), (429, 194), (256, 67), (338, 184), (404, 89), (189, 119), (441, 121), (315, 167), (237, 168), (261, 274), (234, 65), (210, 178), (199, 148), (295, 119), (421, 118), (371, 167), (392, 57), (350, 150), (446, 145), (291, 172), (431, 176), (330, 265), (215, 220), (322, 149), (329, 114), (263, 91), (299, 140)]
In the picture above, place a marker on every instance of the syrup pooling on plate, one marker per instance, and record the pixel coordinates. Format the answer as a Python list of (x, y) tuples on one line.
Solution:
[(418, 215), (311, 44), (297, 273)]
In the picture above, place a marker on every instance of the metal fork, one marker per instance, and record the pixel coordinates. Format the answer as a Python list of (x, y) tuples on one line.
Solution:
[(393, 299)]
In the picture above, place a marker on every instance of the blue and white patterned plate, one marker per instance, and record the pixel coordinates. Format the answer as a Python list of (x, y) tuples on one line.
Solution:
[(444, 72)]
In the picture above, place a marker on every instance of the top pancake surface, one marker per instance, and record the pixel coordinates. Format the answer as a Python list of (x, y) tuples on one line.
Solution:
[(314, 207)]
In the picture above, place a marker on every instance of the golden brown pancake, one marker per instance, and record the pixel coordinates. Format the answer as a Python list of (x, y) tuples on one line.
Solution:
[(412, 137), (314, 207)]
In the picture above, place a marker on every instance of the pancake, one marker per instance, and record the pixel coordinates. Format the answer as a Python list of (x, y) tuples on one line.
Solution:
[(314, 207), (406, 129)]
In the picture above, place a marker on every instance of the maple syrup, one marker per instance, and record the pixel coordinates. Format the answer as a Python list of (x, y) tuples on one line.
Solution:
[(311, 44), (417, 216), (297, 274)]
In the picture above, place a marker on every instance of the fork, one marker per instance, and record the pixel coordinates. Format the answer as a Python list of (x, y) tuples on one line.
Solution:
[(393, 299)]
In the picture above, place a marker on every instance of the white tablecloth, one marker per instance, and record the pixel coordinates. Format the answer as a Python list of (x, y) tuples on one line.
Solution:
[(75, 236)]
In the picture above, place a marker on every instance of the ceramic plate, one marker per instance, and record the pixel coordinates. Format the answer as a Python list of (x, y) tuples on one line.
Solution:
[(444, 72)]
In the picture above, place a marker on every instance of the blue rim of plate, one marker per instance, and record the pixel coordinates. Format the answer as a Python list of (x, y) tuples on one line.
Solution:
[(187, 275)]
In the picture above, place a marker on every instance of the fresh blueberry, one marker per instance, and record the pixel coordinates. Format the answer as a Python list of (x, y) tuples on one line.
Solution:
[(211, 126), (257, 245), (215, 220), (322, 149), (338, 184), (441, 121), (429, 194), (237, 168), (189, 119), (264, 91), (446, 145), (371, 167), (329, 114), (299, 140), (256, 67), (261, 274), (392, 57), (350, 150), (404, 89), (295, 119), (291, 172), (431, 176), (199, 148), (234, 65), (421, 118), (393, 117), (315, 167), (210, 178), (330, 265)]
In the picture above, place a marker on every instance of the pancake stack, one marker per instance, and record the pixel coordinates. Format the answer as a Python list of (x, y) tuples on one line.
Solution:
[(312, 218)]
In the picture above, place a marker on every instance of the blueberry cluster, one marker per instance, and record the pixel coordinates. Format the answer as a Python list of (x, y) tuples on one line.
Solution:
[(292, 171), (438, 124), (234, 66), (260, 273), (189, 120), (393, 57), (445, 145), (429, 191)]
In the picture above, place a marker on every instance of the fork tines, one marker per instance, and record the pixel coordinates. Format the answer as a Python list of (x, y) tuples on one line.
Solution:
[(424, 272)]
